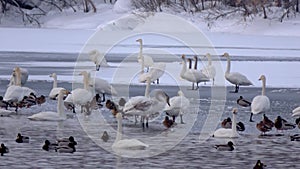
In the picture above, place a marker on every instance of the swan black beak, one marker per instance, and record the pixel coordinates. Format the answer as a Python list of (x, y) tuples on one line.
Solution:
[(97, 67)]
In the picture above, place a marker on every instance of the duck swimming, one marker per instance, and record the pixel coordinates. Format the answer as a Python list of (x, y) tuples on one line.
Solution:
[(49, 146), (3, 149), (225, 147), (22, 139)]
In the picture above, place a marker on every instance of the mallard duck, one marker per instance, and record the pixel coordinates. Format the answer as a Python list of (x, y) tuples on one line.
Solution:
[(243, 102), (282, 124), (69, 148), (105, 136), (167, 122), (66, 141), (22, 139), (3, 149), (269, 123), (261, 126), (225, 147), (49, 146)]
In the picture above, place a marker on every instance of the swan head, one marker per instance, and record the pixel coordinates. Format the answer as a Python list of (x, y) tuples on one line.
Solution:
[(53, 75), (234, 110), (207, 55), (140, 41), (17, 70), (225, 54), (196, 57), (180, 93), (183, 57), (262, 77), (160, 95)]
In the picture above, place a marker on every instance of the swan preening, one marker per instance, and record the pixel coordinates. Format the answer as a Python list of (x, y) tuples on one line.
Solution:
[(129, 144), (55, 90), (228, 133), (144, 60), (260, 103), (235, 78), (24, 77), (53, 116), (145, 106), (178, 105), (194, 76), (98, 59)]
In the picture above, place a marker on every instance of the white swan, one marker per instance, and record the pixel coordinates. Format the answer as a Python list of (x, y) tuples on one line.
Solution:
[(55, 90), (98, 59), (145, 105), (228, 133), (192, 75), (178, 105), (50, 115), (16, 93), (155, 72), (235, 78), (24, 77), (296, 112), (260, 103), (209, 70), (103, 87), (129, 144), (144, 60), (81, 96)]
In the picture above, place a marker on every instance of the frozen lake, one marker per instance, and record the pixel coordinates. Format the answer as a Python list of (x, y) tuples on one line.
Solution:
[(185, 146)]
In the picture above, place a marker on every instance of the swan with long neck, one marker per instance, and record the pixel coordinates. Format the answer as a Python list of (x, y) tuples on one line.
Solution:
[(98, 59), (191, 75), (53, 116), (209, 70), (55, 90), (235, 78), (144, 60), (147, 105), (129, 144), (260, 103), (81, 96), (178, 105), (24, 77), (228, 133)]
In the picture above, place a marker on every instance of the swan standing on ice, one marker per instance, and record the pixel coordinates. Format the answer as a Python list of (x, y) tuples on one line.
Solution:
[(129, 144), (178, 105), (145, 106), (235, 78), (260, 103), (55, 90), (155, 72), (209, 70), (98, 59), (53, 116), (228, 133), (191, 75), (103, 87), (144, 60), (24, 77), (81, 96)]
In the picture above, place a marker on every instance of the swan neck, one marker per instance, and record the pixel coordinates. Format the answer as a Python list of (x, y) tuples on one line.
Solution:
[(85, 82), (18, 79), (209, 60), (228, 65), (119, 132), (147, 90), (234, 123), (263, 89), (196, 63), (60, 105), (183, 70), (142, 57), (54, 82)]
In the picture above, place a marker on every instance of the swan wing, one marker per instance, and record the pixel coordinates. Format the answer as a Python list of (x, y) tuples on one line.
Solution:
[(54, 92), (102, 86), (14, 93), (130, 144), (260, 104), (296, 112), (137, 104), (237, 78), (46, 116), (225, 133)]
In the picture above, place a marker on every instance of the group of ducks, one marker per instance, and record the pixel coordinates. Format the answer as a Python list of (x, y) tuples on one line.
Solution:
[(62, 145)]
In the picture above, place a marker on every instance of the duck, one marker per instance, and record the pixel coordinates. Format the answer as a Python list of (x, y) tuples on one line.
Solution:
[(98, 59), (22, 139), (259, 165), (178, 105), (147, 105), (40, 100), (167, 122), (3, 149), (261, 126), (297, 121), (227, 123), (105, 136), (225, 147), (235, 78), (102, 86), (81, 96), (112, 106), (69, 148), (260, 103), (191, 75), (95, 103), (3, 104), (24, 77), (295, 137), (49, 146), (243, 102), (59, 115), (228, 133), (55, 90), (65, 141), (269, 123), (144, 60), (209, 70), (282, 124), (128, 144)]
